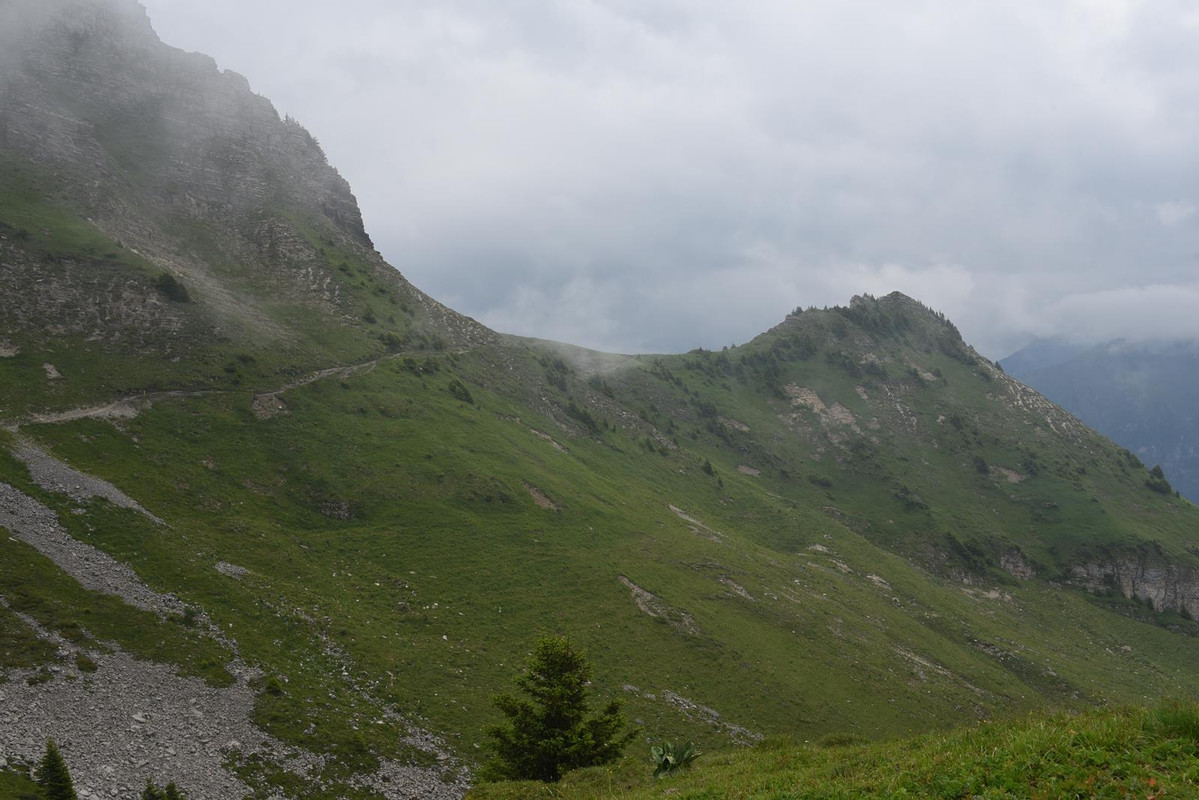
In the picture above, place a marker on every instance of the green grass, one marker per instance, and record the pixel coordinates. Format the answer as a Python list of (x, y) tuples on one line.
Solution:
[(31, 584), (388, 516), (17, 785), (46, 227), (1126, 752), (440, 521), (243, 327), (817, 549)]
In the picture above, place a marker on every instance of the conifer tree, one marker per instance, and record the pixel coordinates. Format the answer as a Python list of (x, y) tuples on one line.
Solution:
[(171, 792), (554, 732), (53, 776)]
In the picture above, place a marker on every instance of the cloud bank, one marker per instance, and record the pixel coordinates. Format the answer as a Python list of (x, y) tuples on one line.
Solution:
[(656, 175)]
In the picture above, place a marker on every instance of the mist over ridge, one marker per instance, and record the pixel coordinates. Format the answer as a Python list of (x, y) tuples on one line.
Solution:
[(661, 177)]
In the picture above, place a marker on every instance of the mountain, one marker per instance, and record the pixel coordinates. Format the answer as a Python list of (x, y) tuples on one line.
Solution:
[(1141, 394), (281, 524), (1041, 354), (162, 220)]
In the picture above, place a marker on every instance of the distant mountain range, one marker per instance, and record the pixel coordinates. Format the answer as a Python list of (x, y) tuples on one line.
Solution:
[(1144, 395)]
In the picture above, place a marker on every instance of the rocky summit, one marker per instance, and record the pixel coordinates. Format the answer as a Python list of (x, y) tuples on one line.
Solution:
[(280, 525)]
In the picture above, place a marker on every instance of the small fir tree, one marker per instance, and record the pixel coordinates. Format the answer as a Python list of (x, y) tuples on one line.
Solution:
[(171, 792), (553, 731), (53, 776)]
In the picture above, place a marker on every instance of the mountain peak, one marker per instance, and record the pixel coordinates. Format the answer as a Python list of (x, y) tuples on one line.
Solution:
[(141, 166)]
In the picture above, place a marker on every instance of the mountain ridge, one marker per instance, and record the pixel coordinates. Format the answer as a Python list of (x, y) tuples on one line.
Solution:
[(139, 161), (1138, 393), (852, 524)]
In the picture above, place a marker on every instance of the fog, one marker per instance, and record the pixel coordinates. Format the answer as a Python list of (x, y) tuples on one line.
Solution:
[(660, 175)]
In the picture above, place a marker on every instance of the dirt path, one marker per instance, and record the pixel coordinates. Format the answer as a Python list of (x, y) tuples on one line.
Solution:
[(130, 407), (268, 404), (123, 408)]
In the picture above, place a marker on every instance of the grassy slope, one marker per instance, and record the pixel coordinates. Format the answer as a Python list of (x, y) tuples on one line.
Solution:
[(242, 326), (388, 519), (17, 786), (445, 567), (1121, 753)]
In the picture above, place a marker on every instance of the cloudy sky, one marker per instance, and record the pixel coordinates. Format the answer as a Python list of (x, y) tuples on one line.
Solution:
[(656, 175)]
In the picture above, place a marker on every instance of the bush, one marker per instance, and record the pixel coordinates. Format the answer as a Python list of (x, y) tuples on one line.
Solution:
[(582, 415), (171, 289), (554, 732), (171, 792), (460, 392), (670, 758), (1157, 481)]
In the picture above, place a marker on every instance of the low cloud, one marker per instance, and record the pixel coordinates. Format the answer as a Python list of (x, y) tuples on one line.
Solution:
[(1174, 212), (662, 175), (1138, 313)]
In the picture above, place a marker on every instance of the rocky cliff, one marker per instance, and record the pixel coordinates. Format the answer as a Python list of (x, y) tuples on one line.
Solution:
[(152, 200), (1164, 586)]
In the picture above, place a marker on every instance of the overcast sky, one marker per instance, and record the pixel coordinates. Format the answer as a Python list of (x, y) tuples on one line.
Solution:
[(657, 175)]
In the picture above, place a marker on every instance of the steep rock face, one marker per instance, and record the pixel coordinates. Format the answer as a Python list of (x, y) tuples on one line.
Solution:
[(127, 167), (93, 92), (1167, 587)]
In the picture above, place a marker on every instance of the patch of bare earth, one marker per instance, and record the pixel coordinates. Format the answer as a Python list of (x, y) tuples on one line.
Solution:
[(541, 498), (265, 406), (736, 588), (129, 721), (694, 710), (38, 526), (652, 605), (696, 525), (835, 415), (1003, 473), (802, 396)]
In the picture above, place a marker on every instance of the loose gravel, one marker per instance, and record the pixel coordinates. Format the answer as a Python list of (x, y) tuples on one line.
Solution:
[(36, 525), (54, 476), (131, 721)]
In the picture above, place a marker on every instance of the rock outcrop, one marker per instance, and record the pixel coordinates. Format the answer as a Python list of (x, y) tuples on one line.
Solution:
[(1168, 587), (166, 208)]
